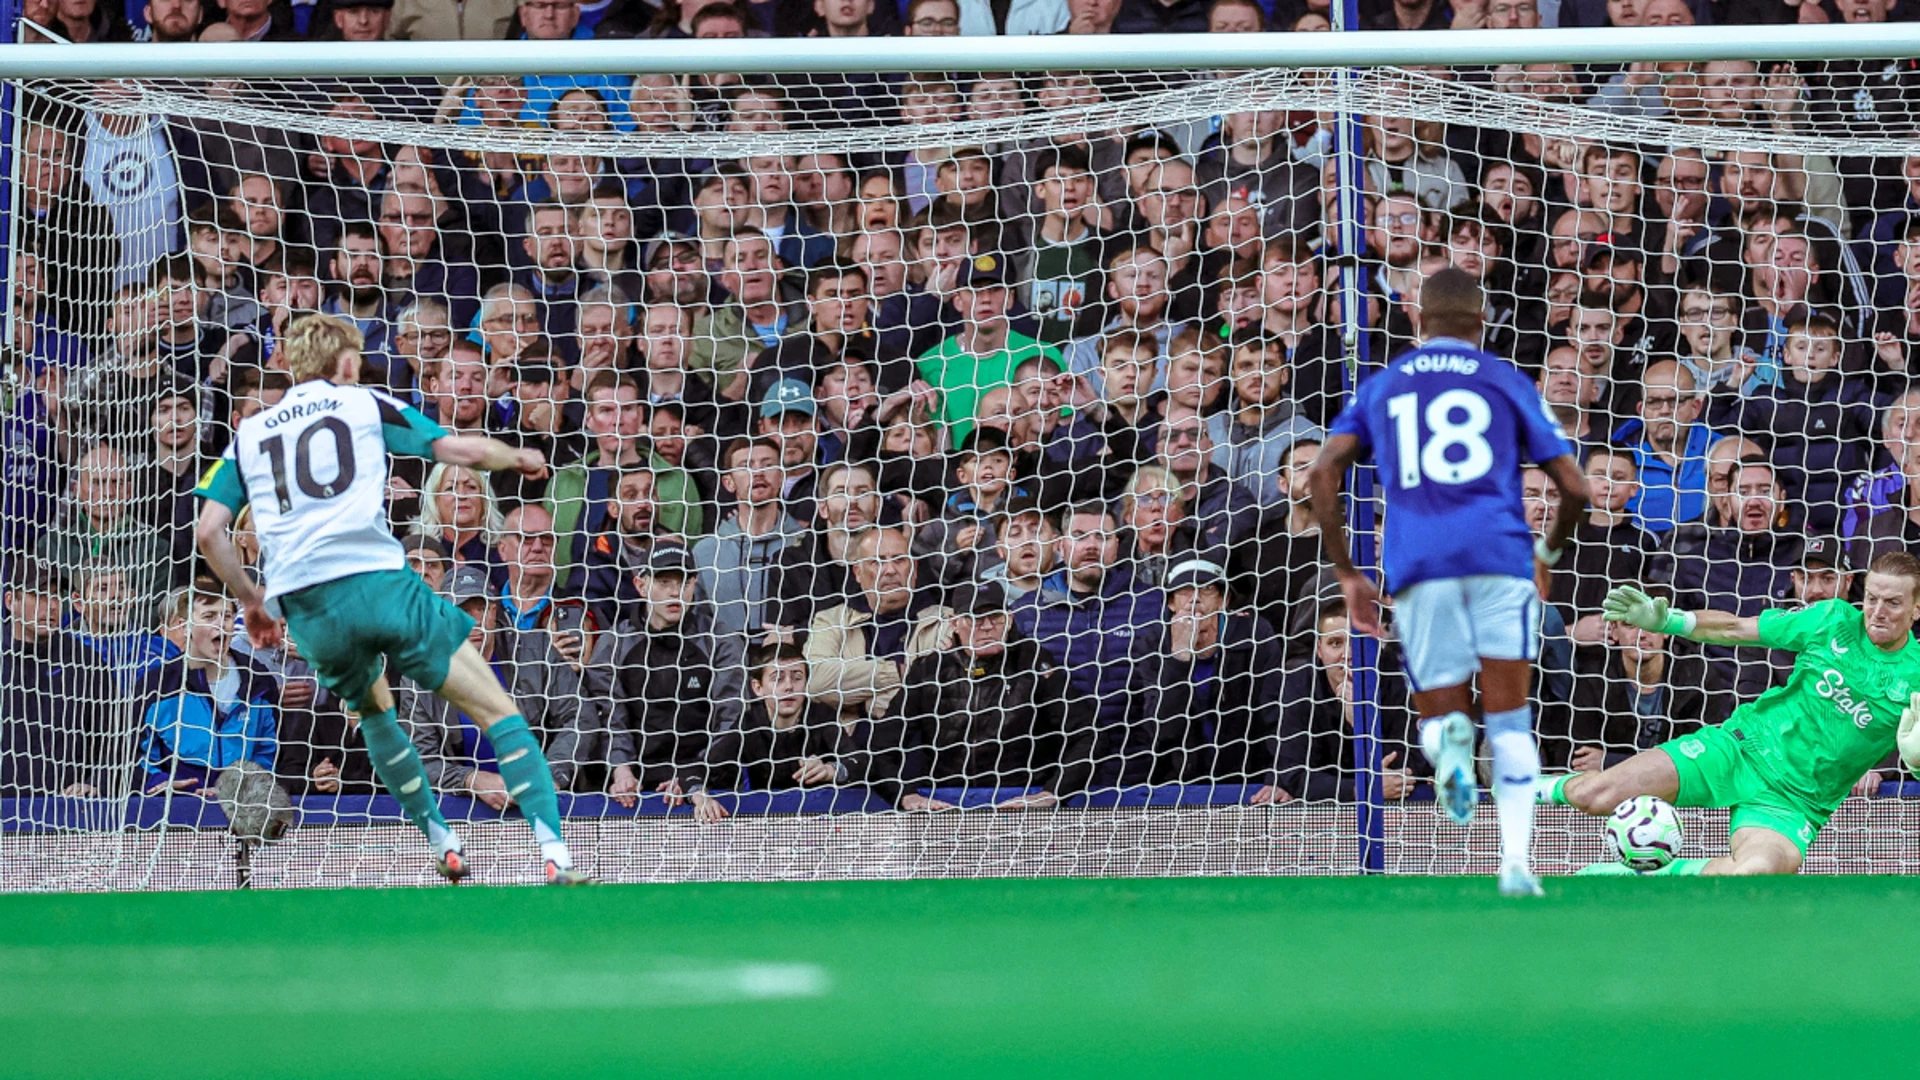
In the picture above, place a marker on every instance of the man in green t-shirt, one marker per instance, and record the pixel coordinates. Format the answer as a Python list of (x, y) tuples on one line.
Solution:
[(985, 351), (1785, 760)]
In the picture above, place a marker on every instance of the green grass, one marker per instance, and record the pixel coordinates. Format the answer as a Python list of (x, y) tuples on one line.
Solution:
[(1165, 978)]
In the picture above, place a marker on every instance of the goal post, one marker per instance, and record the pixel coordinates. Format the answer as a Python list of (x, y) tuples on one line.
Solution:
[(1131, 52), (1201, 243)]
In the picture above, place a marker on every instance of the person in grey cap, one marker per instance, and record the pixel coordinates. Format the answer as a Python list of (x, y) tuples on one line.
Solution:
[(988, 710), (1209, 690)]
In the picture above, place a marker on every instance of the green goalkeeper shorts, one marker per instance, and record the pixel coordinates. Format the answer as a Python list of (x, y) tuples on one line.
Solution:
[(1715, 773), (353, 628)]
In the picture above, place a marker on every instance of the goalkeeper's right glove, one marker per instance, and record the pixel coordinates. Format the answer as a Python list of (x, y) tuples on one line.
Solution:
[(1909, 737), (1631, 606)]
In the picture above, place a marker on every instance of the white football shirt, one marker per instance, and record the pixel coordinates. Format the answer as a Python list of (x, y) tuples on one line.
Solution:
[(314, 469)]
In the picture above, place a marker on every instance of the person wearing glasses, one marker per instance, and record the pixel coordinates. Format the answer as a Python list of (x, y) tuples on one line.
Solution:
[(1669, 447)]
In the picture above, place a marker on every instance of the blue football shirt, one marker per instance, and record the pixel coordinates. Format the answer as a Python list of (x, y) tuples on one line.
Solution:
[(1450, 426)]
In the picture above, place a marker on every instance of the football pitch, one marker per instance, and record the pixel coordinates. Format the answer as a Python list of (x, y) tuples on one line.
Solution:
[(1107, 978)]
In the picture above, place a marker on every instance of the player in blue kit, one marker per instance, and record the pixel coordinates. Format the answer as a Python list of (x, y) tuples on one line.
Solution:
[(1450, 426)]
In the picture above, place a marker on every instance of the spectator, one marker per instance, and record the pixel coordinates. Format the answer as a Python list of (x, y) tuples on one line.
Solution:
[(550, 278), (458, 394), (427, 557), (1235, 17), (259, 20), (1092, 16), (949, 547), (1606, 549), (458, 509), (1290, 282), (858, 652), (99, 527), (1317, 761), (1209, 690), (55, 699), (1711, 341), (755, 316), (1881, 514), (789, 417), (1061, 271), (989, 711), (472, 20), (162, 490), (1643, 695), (555, 20), (32, 471), (665, 329), (812, 576), (1256, 436), (361, 298), (1818, 418), (837, 328), (171, 21), (669, 681), (1162, 17), (1744, 566), (1253, 160), (984, 353), (1152, 517), (36, 335), (1410, 156), (1137, 290), (1087, 457), (580, 494), (624, 547), (1572, 397), (736, 561), (784, 740), (71, 231), (361, 20), (509, 324), (1223, 516), (1669, 447), (114, 400), (1091, 616), (1023, 549), (1781, 275), (203, 709), (422, 334), (421, 262)]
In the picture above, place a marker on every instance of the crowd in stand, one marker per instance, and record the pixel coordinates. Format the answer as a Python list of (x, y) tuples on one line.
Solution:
[(977, 467)]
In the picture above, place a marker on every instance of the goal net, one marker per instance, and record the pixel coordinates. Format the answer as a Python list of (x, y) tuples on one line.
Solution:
[(928, 449)]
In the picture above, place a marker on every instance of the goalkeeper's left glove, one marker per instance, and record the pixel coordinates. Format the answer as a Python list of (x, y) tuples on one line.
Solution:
[(1909, 737), (1631, 606)]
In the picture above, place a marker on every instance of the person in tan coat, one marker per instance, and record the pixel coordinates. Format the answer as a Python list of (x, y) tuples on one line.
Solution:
[(858, 651), (458, 20)]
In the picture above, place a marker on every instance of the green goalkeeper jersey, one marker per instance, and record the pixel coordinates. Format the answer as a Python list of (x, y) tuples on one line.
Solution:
[(1837, 715)]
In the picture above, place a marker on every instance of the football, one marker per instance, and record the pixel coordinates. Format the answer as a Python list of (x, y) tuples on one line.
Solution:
[(1644, 833)]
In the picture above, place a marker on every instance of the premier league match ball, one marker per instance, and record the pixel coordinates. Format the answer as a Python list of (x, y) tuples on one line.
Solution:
[(1644, 833)]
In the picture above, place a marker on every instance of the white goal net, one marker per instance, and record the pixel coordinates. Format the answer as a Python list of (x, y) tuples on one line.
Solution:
[(928, 449)]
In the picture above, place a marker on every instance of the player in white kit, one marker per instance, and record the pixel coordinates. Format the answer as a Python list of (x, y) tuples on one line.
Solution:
[(314, 469)]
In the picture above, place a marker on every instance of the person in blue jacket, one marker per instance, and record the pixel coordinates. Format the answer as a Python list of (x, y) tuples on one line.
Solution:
[(1095, 619), (203, 708)]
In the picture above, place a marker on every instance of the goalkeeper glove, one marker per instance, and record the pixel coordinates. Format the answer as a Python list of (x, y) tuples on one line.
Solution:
[(1631, 606), (1909, 737)]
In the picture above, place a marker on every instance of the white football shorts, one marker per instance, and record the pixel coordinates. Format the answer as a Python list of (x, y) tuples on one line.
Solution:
[(1446, 625)]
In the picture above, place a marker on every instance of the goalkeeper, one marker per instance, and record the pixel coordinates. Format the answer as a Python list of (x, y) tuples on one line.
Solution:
[(1785, 760)]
